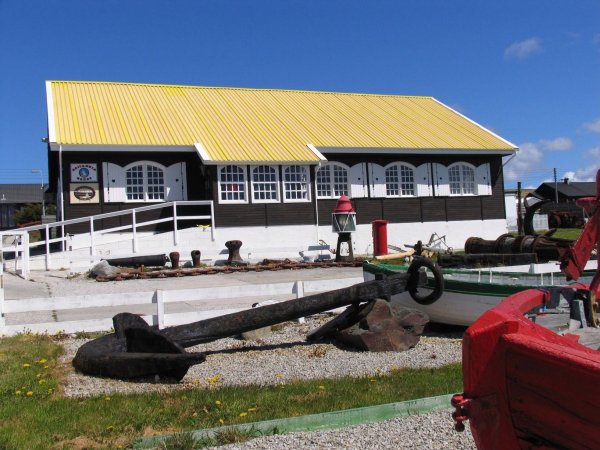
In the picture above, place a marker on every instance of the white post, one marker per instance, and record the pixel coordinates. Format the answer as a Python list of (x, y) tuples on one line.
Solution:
[(160, 308), (299, 288), (175, 237), (25, 255), (92, 242), (212, 222), (47, 228), (2, 321), (61, 197), (134, 231)]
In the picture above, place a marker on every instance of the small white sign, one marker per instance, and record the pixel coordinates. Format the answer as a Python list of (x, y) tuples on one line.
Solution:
[(84, 172)]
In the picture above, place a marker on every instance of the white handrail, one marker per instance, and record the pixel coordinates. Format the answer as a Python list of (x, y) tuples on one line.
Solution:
[(94, 231)]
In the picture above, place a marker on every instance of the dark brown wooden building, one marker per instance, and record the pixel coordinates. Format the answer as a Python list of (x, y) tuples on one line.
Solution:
[(274, 162)]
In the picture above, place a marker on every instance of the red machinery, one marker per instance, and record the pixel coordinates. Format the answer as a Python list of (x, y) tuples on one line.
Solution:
[(525, 386)]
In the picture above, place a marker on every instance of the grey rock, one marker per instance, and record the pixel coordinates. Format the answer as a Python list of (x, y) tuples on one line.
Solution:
[(104, 269)]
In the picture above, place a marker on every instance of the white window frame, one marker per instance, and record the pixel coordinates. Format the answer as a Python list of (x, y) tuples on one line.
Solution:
[(306, 183), (461, 165), (398, 165), (243, 183), (254, 184), (330, 169), (145, 184)]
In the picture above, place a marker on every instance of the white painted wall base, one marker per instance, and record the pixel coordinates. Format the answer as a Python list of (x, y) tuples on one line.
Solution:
[(268, 242)]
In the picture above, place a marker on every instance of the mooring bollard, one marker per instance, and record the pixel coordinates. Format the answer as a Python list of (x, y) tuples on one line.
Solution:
[(196, 258), (174, 257), (234, 252)]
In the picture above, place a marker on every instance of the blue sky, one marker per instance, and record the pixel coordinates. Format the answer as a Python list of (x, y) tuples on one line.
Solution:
[(528, 70)]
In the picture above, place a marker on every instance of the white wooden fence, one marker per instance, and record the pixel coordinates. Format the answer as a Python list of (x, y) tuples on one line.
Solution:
[(101, 319), (54, 233)]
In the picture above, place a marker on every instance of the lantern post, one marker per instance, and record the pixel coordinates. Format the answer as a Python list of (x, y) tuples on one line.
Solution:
[(343, 222)]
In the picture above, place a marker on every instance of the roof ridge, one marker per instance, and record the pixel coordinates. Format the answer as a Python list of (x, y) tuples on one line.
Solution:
[(304, 91)]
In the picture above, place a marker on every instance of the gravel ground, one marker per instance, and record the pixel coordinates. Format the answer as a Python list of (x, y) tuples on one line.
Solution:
[(430, 431), (284, 356), (278, 358)]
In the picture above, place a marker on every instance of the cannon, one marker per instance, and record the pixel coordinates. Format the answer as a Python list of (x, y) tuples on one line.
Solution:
[(138, 350)]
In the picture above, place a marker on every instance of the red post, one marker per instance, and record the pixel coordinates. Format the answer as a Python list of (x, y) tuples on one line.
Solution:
[(379, 237)]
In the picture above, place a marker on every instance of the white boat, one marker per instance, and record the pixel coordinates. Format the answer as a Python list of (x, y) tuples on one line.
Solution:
[(468, 293)]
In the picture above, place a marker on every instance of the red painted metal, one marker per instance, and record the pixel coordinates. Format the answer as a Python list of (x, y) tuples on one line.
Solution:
[(380, 244), (344, 205), (524, 385)]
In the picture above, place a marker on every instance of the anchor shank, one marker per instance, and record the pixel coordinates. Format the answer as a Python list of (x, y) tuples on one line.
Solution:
[(231, 324)]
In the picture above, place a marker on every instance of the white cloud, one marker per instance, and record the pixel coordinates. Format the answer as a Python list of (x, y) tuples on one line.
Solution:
[(593, 126), (557, 144), (528, 158), (585, 174), (523, 49), (593, 153)]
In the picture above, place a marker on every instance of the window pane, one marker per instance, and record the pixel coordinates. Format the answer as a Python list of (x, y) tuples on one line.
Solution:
[(232, 183), (155, 183), (135, 183), (468, 180), (392, 181), (454, 178), (407, 181), (324, 182), (295, 183), (264, 183), (340, 181)]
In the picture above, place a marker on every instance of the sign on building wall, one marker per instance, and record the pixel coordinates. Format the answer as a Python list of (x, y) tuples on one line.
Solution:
[(84, 193), (83, 173)]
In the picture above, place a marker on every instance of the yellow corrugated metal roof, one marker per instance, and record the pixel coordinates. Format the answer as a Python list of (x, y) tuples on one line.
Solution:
[(233, 124)]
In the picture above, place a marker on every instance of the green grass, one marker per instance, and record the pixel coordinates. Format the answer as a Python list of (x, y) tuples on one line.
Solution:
[(34, 415), (567, 233)]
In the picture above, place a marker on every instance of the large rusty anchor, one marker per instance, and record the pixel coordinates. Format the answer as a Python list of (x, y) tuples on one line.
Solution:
[(137, 350)]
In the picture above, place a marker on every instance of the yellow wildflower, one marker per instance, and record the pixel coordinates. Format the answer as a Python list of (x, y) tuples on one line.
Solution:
[(251, 409), (29, 394), (321, 387), (213, 380), (107, 398), (221, 421), (244, 414), (18, 392), (26, 365), (217, 402), (42, 361)]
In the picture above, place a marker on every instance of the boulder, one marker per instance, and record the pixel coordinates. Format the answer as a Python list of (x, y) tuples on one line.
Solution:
[(104, 269)]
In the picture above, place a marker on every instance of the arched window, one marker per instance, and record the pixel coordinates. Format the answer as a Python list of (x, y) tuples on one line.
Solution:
[(296, 184), (332, 181), (145, 182), (461, 178), (232, 184), (265, 184), (400, 180)]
